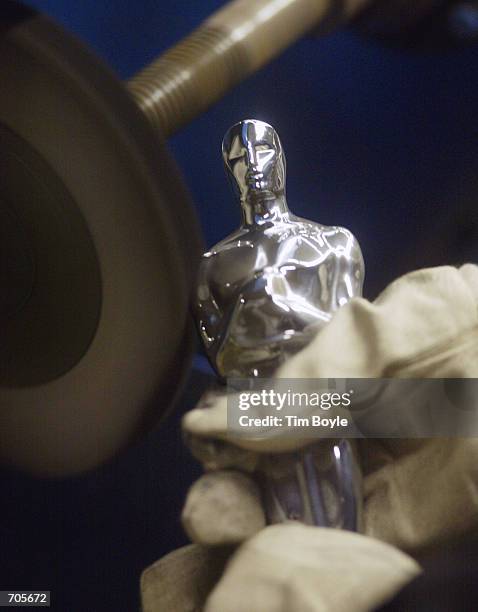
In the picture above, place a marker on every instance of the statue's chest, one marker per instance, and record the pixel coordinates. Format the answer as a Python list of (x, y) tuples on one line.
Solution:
[(298, 256), (298, 246)]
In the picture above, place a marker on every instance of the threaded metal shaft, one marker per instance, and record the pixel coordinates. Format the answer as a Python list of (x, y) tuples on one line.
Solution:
[(184, 81)]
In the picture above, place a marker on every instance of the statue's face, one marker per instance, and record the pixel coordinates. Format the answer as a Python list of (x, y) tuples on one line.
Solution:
[(253, 156)]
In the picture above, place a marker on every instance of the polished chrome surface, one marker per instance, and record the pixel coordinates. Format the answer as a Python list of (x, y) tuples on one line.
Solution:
[(320, 485), (265, 290)]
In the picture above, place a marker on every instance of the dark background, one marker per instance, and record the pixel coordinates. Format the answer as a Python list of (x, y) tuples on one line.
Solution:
[(377, 139)]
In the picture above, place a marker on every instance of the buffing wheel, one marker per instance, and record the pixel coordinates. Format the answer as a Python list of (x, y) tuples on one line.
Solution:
[(94, 269)]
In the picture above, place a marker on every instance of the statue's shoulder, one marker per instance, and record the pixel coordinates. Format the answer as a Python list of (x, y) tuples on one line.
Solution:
[(227, 247), (339, 238), (334, 236)]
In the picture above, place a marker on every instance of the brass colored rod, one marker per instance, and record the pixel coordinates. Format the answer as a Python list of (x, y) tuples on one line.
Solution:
[(229, 46)]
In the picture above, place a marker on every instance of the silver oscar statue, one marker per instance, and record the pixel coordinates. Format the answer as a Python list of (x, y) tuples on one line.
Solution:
[(263, 293)]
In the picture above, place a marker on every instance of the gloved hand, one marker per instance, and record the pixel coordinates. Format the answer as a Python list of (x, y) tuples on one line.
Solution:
[(284, 568), (417, 492)]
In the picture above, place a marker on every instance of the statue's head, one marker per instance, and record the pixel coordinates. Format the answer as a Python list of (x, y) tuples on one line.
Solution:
[(254, 158)]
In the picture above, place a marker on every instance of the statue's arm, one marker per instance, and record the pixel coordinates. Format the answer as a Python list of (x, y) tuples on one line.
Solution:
[(215, 304), (207, 310), (349, 269)]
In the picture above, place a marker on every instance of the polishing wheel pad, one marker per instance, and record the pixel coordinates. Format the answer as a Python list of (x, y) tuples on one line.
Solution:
[(95, 274)]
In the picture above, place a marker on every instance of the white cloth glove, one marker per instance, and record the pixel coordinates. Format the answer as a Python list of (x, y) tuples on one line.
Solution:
[(417, 492), (284, 568)]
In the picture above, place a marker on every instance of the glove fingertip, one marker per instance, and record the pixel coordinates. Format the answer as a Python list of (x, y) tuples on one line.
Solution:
[(223, 508)]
